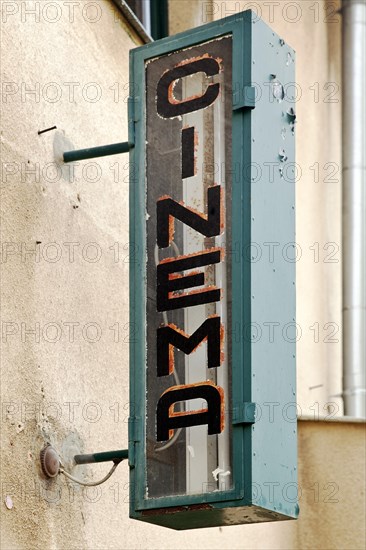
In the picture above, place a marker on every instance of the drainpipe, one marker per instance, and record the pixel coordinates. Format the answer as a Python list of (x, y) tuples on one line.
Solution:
[(354, 205)]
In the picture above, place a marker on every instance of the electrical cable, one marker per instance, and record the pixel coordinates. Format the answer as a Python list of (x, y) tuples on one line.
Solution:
[(90, 483)]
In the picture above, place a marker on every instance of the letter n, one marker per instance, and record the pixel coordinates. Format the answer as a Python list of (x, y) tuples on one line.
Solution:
[(167, 209)]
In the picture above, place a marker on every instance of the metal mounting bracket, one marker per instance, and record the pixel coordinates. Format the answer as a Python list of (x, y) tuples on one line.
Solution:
[(244, 98), (245, 413), (114, 456), (101, 151)]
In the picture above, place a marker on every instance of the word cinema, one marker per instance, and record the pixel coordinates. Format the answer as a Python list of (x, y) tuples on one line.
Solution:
[(188, 292)]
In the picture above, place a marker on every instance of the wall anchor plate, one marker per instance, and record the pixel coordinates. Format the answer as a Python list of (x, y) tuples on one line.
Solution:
[(50, 461)]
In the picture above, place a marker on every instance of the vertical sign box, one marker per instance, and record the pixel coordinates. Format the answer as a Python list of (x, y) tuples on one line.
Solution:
[(212, 433)]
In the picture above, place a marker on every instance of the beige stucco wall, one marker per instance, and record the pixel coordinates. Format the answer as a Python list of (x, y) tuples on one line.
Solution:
[(332, 484), (59, 384), (72, 391)]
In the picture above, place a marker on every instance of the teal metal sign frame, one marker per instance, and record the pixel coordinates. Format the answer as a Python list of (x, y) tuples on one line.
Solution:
[(264, 332)]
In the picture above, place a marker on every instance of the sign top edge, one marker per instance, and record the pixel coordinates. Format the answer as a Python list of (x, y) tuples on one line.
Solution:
[(200, 34)]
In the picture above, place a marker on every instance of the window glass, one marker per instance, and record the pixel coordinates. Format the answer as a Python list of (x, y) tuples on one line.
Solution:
[(188, 227), (153, 16)]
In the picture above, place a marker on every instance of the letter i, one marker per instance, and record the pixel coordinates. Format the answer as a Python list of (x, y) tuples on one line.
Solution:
[(188, 135)]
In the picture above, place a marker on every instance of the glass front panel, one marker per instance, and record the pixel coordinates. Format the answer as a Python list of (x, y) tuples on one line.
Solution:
[(188, 309)]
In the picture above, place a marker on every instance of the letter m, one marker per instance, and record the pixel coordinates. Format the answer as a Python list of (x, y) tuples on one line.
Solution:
[(170, 337)]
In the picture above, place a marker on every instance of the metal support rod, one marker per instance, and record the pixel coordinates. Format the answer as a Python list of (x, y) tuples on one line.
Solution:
[(354, 205), (159, 19), (94, 152), (114, 456)]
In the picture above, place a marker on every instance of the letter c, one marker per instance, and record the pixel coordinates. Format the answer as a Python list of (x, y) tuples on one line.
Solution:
[(168, 106)]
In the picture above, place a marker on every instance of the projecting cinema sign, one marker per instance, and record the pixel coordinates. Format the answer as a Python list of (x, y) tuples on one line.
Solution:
[(193, 412)]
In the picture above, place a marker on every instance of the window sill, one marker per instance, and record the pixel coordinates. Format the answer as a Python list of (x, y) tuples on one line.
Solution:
[(337, 419)]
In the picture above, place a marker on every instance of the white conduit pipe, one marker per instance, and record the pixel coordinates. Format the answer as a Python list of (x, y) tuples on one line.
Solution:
[(354, 205)]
